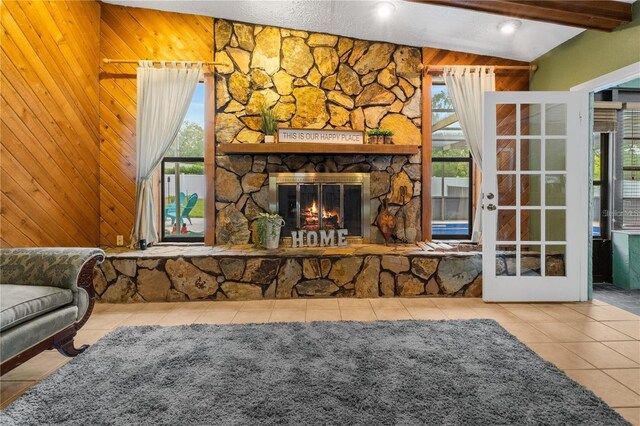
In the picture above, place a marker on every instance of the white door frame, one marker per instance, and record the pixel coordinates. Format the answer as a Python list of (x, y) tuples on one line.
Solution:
[(573, 286)]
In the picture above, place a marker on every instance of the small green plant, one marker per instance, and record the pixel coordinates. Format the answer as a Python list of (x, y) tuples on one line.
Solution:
[(269, 122), (374, 132), (386, 132), (262, 220)]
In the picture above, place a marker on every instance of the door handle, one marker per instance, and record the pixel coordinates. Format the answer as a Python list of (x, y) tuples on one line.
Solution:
[(490, 196), (491, 207)]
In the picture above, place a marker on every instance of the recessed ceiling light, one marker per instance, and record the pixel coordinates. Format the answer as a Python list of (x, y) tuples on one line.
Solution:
[(384, 9), (510, 26)]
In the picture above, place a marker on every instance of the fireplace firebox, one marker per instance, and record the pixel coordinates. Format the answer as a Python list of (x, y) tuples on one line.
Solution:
[(322, 201)]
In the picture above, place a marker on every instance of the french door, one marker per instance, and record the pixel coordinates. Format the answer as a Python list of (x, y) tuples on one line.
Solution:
[(535, 196)]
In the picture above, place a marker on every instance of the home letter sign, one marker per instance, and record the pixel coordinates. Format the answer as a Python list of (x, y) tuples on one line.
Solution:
[(327, 238)]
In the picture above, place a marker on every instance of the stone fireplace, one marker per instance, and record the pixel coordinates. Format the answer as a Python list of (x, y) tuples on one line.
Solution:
[(243, 190), (322, 201)]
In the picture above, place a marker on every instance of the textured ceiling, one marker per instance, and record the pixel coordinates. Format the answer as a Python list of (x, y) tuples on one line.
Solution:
[(412, 23)]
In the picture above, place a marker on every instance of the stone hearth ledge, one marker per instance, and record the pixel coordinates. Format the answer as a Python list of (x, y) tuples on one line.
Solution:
[(232, 272)]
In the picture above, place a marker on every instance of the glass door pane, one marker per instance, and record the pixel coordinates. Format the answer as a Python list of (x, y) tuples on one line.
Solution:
[(183, 200)]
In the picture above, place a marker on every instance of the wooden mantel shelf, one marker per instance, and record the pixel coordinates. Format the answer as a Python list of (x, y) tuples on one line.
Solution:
[(315, 148)]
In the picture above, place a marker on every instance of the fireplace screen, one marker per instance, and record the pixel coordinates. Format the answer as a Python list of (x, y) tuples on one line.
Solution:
[(316, 201)]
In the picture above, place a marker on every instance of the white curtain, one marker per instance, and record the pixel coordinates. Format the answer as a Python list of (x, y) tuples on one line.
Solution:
[(164, 95), (466, 86)]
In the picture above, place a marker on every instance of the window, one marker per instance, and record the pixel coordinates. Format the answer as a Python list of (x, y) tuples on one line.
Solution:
[(627, 164), (600, 225), (183, 179), (452, 171)]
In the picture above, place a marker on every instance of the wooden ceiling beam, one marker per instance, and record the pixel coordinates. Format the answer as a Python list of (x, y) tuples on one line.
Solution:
[(599, 15)]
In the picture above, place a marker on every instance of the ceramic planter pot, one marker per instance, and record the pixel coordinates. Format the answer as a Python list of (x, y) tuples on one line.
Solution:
[(272, 231)]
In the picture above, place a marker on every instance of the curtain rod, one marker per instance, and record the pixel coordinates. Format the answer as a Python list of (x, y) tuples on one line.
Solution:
[(440, 68), (135, 61)]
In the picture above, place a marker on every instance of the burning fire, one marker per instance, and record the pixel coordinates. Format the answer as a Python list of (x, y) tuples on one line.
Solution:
[(331, 217)]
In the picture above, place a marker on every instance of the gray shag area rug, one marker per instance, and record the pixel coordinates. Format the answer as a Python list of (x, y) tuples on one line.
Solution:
[(349, 373)]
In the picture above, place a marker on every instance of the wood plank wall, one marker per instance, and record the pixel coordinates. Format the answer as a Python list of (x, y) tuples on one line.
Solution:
[(133, 33), (505, 80), (49, 158)]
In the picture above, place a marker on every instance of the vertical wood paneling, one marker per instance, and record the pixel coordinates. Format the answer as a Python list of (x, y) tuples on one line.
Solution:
[(505, 80), (133, 33), (49, 135)]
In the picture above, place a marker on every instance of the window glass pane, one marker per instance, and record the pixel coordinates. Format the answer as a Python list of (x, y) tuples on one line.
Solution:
[(530, 260), (506, 154), (596, 157), (450, 198), (555, 260), (447, 138), (530, 190), (555, 225), (506, 119), (506, 190), (190, 139), (530, 119), (505, 260), (597, 207), (506, 225), (530, 225), (184, 213), (630, 214), (529, 154), (555, 154), (556, 119), (555, 190)]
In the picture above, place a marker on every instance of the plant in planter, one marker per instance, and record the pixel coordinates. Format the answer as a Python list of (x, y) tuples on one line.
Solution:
[(374, 136), (388, 136), (269, 123), (267, 230)]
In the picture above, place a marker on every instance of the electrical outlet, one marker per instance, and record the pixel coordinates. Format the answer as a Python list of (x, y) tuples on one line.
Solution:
[(119, 240)]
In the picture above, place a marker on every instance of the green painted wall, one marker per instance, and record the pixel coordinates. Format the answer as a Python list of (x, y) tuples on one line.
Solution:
[(587, 56)]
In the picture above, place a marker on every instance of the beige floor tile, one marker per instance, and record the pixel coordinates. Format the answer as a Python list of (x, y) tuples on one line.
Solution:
[(417, 302), (257, 305), (526, 332), (564, 314), (392, 314), (38, 367), (427, 313), (288, 315), (180, 317), (144, 318), (498, 314), (216, 317), (201, 305), (158, 307), (532, 315), (106, 320), (358, 314), (606, 313), (630, 377), (610, 390), (461, 313), (560, 356), (560, 332), (631, 414), (630, 349), (630, 328), (600, 356), (599, 302), (224, 305), (11, 390), (350, 303), (391, 303), (125, 307), (89, 337), (323, 315), (102, 307), (517, 305), (452, 302), (291, 305), (317, 304), (251, 317), (598, 331)]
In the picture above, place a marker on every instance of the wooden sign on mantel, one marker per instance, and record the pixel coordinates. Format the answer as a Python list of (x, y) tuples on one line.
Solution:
[(320, 136)]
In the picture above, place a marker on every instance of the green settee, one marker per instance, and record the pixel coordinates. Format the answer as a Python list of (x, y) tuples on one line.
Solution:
[(46, 295)]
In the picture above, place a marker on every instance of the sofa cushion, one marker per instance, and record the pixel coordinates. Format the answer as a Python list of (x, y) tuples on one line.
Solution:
[(20, 303)]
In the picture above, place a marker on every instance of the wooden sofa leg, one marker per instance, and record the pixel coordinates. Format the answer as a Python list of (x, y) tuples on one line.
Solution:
[(63, 342)]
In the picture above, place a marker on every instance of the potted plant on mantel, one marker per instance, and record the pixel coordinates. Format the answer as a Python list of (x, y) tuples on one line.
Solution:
[(267, 230), (388, 136), (268, 116), (373, 136)]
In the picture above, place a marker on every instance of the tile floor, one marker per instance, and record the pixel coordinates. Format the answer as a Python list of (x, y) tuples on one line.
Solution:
[(596, 344)]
